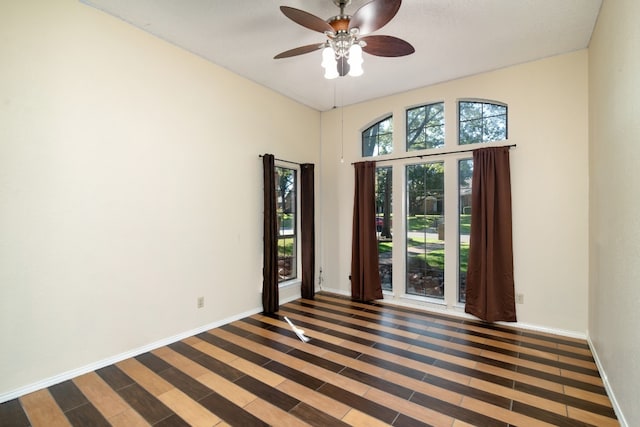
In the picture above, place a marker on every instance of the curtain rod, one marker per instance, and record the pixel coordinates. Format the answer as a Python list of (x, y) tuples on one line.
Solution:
[(437, 154), (284, 161)]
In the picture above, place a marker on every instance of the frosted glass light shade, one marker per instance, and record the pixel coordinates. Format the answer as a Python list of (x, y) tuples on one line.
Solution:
[(355, 60), (329, 63)]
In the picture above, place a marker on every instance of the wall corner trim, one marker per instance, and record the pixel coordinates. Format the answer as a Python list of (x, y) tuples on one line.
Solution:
[(607, 385)]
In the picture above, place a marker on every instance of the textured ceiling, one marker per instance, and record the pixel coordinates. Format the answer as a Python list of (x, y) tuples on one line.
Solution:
[(452, 38)]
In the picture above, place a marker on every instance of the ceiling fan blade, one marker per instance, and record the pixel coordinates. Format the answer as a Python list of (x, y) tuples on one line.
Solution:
[(306, 19), (299, 50), (388, 46), (374, 15)]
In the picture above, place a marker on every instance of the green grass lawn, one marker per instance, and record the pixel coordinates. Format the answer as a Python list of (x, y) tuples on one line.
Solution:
[(285, 247), (385, 247), (465, 224), (434, 258), (422, 222), (285, 220), (425, 222)]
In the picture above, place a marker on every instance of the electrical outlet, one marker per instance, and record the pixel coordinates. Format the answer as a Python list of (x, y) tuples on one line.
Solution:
[(200, 302), (519, 298)]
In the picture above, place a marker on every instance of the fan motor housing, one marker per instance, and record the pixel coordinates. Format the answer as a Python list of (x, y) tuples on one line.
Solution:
[(340, 23)]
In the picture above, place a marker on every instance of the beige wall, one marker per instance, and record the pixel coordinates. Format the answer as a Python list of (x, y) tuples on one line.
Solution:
[(614, 170), (130, 185), (548, 112), (122, 158)]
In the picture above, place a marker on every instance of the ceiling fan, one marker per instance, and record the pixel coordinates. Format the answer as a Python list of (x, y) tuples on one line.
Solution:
[(345, 43)]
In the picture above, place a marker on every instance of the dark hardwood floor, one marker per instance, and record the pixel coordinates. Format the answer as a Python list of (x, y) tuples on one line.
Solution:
[(366, 364)]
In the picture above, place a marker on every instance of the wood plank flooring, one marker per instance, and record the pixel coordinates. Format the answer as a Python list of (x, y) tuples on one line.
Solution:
[(366, 364)]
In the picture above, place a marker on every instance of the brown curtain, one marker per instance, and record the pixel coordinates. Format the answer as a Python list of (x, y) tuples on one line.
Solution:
[(270, 297), (490, 288), (365, 278), (307, 220)]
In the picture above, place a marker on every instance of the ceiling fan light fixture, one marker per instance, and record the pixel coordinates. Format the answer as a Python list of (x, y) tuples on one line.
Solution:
[(342, 55)]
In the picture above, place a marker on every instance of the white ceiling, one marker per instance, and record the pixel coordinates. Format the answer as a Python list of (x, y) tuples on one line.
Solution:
[(452, 38)]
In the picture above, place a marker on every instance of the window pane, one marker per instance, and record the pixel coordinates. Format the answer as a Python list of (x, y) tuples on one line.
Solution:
[(465, 173), (416, 136), (495, 128), (481, 122), (435, 136), (287, 219), (368, 145), (425, 230), (425, 127), (470, 132), (415, 116), (470, 110), (385, 144), (490, 110), (378, 139), (384, 222)]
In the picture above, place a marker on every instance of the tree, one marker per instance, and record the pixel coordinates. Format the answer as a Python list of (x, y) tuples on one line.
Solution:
[(425, 127), (424, 180), (286, 189), (383, 198), (482, 122), (378, 139)]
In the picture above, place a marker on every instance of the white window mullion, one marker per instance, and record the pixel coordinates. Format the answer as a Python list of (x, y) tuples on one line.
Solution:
[(451, 231), (399, 231)]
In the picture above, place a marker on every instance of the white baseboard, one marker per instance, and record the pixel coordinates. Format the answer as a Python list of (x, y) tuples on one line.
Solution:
[(459, 312), (607, 385), (288, 299), (334, 291), (64, 376)]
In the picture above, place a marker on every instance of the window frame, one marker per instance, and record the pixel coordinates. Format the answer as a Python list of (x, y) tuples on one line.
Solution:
[(380, 229), (443, 125), (377, 145), (442, 206), (460, 298), (483, 102), (296, 224)]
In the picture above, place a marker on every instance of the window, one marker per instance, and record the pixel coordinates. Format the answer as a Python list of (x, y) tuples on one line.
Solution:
[(481, 122), (429, 174), (378, 139), (465, 173), (286, 191), (425, 230), (425, 127), (384, 225)]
